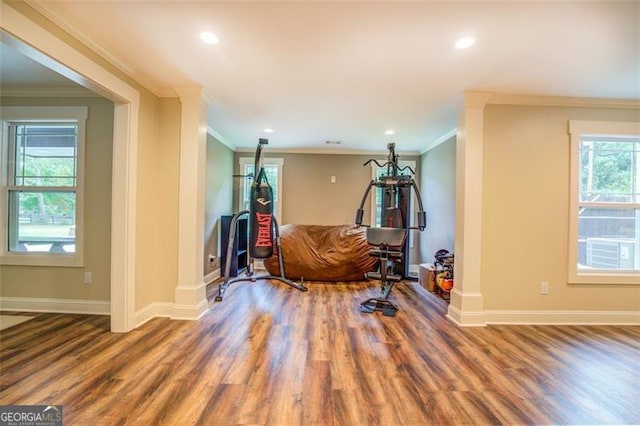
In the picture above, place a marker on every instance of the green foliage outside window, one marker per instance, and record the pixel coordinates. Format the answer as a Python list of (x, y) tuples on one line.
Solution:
[(45, 156), (272, 178), (608, 170)]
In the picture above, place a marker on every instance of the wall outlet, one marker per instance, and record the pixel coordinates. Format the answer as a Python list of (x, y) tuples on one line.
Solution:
[(87, 277), (544, 287)]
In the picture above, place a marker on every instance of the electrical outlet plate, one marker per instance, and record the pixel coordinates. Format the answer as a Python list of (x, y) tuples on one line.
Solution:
[(544, 288)]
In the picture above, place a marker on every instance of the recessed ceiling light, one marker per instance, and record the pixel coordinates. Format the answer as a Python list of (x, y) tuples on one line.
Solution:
[(267, 130), (465, 42), (389, 132), (209, 37)]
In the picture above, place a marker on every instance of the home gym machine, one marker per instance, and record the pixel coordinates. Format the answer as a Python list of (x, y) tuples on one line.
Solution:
[(263, 230), (390, 239)]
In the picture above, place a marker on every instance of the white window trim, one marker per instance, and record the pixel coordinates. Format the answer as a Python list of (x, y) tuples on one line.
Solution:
[(43, 114), (266, 161), (414, 201), (592, 128)]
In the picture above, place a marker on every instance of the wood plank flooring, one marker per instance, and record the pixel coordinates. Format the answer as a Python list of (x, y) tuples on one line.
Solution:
[(269, 354)]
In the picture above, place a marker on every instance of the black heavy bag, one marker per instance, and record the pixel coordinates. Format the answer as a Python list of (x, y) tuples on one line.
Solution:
[(261, 212)]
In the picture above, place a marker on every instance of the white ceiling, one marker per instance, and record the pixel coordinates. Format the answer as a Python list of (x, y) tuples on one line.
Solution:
[(317, 71), (20, 72)]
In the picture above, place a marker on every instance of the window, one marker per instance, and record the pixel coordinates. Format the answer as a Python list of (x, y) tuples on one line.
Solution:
[(42, 156), (273, 169), (605, 203)]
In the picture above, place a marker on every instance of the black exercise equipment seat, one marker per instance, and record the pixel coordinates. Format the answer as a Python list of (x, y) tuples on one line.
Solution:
[(389, 243)]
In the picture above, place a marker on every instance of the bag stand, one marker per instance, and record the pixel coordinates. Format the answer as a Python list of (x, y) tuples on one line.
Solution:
[(249, 271)]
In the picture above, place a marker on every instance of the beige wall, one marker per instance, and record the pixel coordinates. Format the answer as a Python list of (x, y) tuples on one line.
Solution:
[(526, 209), (438, 190), (309, 197), (156, 222), (68, 283), (218, 197), (157, 200)]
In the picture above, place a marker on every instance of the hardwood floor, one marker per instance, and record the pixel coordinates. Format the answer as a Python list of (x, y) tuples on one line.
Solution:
[(269, 354)]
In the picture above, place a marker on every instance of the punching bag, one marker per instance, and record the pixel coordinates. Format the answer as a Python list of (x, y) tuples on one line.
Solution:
[(261, 214)]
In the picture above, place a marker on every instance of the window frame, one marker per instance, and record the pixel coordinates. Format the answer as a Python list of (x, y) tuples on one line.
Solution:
[(266, 161), (42, 114), (578, 129)]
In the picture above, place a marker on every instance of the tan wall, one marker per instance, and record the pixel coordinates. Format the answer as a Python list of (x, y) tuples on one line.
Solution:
[(68, 283), (157, 198), (156, 223), (526, 211), (438, 190), (218, 198), (309, 197)]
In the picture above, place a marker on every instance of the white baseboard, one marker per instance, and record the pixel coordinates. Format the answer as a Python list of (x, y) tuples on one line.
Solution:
[(467, 318), (211, 276), (61, 306), (189, 312), (156, 309), (531, 317), (563, 317), (472, 315), (190, 301)]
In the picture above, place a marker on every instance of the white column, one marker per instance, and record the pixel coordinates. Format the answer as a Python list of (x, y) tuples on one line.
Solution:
[(123, 216), (466, 304), (190, 296)]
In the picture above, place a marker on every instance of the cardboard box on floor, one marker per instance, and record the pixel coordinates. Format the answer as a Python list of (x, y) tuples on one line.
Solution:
[(427, 278)]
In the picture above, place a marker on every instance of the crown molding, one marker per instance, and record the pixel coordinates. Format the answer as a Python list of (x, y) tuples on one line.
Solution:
[(329, 151), (48, 92), (222, 139), (451, 133), (560, 101), (47, 10)]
